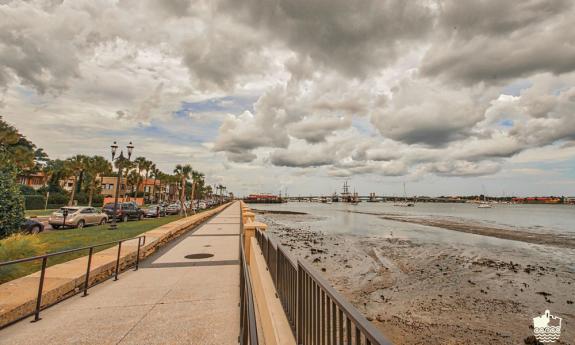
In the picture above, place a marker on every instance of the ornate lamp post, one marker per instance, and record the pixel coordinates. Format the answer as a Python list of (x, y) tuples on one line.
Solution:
[(120, 160)]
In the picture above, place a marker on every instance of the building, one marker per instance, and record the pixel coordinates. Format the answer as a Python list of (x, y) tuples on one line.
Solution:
[(34, 180), (108, 186), (538, 200)]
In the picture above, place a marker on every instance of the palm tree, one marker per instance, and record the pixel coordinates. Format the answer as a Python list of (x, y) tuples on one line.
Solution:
[(96, 166), (148, 168), (126, 165), (154, 172), (197, 184), (183, 172), (76, 165), (140, 163)]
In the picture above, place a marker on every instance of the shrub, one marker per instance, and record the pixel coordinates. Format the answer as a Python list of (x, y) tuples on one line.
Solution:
[(19, 246), (34, 202), (58, 199), (11, 200), (27, 190)]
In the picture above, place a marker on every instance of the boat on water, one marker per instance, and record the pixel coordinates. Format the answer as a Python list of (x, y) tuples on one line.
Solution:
[(484, 203), (405, 203)]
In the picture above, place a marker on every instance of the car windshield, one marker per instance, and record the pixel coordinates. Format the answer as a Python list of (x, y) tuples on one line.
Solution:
[(110, 206)]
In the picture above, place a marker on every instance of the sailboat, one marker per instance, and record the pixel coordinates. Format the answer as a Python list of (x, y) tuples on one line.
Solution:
[(484, 203), (405, 203)]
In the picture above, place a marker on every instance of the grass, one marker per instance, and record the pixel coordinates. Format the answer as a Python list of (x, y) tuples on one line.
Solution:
[(59, 240), (38, 213)]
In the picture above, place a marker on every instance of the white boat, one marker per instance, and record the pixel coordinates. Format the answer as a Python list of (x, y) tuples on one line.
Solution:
[(484, 205), (405, 203)]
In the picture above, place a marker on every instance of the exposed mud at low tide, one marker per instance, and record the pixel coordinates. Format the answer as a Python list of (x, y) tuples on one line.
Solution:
[(276, 212), (556, 240), (430, 293)]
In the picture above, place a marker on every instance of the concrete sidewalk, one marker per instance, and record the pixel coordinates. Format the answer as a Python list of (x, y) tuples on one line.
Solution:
[(170, 300)]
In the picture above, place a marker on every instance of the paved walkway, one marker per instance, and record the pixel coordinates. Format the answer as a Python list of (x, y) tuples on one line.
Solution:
[(170, 300)]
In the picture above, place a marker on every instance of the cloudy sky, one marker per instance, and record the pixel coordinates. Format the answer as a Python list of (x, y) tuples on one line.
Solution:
[(449, 96)]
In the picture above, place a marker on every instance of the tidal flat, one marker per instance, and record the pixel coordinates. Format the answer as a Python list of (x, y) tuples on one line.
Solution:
[(463, 289)]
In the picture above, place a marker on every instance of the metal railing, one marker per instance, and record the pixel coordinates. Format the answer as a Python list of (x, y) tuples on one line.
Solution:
[(44, 258), (317, 313), (248, 325)]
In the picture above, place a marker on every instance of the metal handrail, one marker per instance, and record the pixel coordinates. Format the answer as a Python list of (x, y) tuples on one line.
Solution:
[(321, 310), (44, 258), (248, 324)]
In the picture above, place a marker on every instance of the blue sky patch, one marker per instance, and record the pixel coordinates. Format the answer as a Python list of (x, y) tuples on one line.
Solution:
[(515, 88), (506, 123), (228, 104)]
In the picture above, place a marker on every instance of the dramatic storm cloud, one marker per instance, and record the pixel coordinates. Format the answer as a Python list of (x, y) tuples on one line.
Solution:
[(380, 91)]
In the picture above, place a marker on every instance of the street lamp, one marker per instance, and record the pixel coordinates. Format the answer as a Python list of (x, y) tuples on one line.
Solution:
[(120, 160)]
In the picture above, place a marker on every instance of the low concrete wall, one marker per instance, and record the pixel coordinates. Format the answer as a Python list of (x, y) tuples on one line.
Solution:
[(272, 318), (18, 297)]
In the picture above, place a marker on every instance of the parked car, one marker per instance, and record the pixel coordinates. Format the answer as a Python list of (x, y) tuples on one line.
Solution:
[(124, 212), (202, 205), (77, 217), (155, 211), (32, 226), (173, 209)]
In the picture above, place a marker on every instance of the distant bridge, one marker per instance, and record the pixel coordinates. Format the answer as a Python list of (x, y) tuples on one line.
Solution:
[(376, 198)]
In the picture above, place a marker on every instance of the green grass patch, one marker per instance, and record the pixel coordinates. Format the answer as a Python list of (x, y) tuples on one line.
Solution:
[(22, 246), (38, 213)]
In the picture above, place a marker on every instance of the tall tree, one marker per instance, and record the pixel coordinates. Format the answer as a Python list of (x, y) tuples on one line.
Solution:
[(154, 174), (76, 166), (183, 172), (147, 168), (11, 199), (17, 150), (140, 163), (96, 168)]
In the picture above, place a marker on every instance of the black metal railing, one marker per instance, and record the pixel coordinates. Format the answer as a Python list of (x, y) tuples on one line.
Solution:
[(44, 258), (248, 325), (317, 313)]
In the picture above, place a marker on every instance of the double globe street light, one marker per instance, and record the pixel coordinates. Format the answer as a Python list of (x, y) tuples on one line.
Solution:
[(121, 159)]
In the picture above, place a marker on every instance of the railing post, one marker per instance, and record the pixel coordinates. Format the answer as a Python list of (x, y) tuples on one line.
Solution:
[(138, 255), (118, 260), (40, 287), (88, 272), (299, 313)]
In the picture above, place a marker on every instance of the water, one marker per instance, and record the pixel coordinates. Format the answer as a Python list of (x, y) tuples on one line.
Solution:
[(535, 218), (335, 218)]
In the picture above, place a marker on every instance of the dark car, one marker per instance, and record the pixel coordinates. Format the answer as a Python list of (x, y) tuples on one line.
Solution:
[(124, 212), (155, 211), (32, 226)]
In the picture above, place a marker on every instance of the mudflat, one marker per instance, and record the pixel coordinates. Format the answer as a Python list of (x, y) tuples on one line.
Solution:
[(439, 293)]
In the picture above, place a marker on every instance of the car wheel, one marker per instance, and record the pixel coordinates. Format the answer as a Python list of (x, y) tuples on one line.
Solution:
[(103, 221), (56, 227), (35, 230), (80, 224)]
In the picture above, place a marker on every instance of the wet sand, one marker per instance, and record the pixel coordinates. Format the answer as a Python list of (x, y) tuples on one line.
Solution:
[(436, 293)]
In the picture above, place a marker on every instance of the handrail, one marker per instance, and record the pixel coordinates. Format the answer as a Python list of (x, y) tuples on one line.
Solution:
[(32, 258), (360, 321), (321, 310), (248, 325), (44, 258)]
